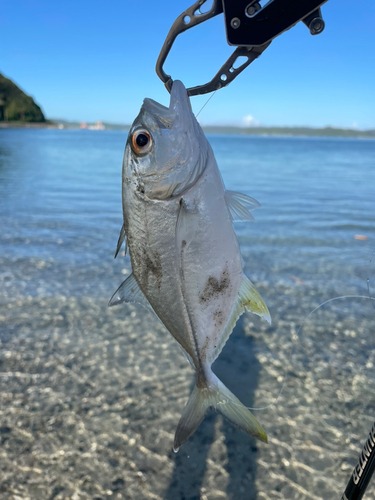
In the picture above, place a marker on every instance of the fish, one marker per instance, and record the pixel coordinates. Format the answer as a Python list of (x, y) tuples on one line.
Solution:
[(186, 262)]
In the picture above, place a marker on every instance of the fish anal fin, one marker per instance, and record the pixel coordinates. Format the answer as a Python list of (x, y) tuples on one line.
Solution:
[(239, 205), (187, 356), (250, 299), (238, 309), (129, 292), (121, 240)]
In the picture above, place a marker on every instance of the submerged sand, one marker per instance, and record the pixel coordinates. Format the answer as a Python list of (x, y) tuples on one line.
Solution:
[(91, 397)]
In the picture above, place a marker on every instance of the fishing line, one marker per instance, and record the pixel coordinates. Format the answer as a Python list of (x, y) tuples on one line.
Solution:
[(275, 401), (298, 332), (331, 300), (208, 100), (369, 292), (368, 281)]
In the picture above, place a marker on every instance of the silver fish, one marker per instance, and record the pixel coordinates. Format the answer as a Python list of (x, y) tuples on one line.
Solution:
[(186, 262)]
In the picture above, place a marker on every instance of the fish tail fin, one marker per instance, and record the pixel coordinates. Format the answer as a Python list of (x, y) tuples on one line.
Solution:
[(196, 409), (236, 413), (215, 395)]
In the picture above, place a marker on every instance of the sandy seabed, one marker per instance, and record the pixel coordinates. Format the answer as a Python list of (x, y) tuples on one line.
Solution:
[(91, 397)]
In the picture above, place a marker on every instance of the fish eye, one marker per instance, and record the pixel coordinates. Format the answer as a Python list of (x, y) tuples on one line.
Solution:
[(141, 141)]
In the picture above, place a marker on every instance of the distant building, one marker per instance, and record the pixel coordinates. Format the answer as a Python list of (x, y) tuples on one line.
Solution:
[(98, 126)]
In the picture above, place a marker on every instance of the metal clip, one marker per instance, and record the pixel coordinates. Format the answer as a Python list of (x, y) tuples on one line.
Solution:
[(188, 19), (259, 22), (249, 26)]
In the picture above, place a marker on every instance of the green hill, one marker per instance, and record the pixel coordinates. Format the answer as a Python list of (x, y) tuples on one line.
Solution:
[(16, 106)]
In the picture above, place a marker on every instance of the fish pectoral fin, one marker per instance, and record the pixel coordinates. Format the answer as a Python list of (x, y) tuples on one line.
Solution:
[(239, 205), (250, 299), (187, 223), (219, 397), (121, 240), (129, 291)]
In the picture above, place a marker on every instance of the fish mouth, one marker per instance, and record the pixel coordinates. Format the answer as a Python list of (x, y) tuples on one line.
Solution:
[(154, 107), (178, 112), (180, 102)]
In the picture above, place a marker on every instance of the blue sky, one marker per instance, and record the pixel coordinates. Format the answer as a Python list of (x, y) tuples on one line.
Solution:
[(94, 60)]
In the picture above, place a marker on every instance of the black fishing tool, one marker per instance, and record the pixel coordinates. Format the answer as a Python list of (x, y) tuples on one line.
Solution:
[(251, 25)]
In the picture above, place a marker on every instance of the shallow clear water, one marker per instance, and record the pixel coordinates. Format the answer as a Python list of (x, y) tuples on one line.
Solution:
[(90, 397)]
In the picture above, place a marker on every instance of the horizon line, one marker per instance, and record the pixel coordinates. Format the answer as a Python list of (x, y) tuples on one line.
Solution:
[(216, 125)]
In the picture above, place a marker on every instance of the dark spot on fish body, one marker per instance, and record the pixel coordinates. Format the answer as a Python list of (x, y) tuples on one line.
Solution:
[(201, 381), (140, 186), (146, 263), (214, 288), (218, 317), (183, 245), (203, 351), (153, 266)]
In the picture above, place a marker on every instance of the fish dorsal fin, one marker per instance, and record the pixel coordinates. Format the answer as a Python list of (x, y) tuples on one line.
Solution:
[(129, 291), (121, 240), (239, 205), (249, 299)]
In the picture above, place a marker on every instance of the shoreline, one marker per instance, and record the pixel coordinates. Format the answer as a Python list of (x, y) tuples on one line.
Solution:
[(5, 125), (326, 132)]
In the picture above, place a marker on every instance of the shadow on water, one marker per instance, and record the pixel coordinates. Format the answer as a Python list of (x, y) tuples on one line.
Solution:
[(238, 367)]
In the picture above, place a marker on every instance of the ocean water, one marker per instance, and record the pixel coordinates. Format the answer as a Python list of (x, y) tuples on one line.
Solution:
[(90, 397)]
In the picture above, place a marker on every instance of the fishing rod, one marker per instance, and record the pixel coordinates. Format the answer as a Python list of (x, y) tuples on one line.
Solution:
[(363, 471)]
